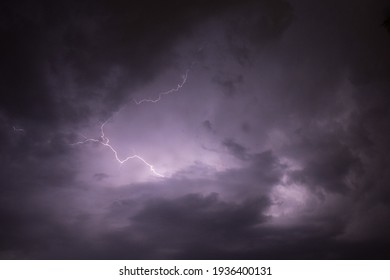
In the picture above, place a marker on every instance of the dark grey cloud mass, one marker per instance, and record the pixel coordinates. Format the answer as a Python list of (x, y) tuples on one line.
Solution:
[(270, 127)]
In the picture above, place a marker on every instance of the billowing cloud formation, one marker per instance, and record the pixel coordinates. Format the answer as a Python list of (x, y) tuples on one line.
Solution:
[(274, 147)]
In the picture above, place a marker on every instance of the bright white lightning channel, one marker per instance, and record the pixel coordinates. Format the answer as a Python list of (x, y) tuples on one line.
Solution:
[(105, 141), (161, 94)]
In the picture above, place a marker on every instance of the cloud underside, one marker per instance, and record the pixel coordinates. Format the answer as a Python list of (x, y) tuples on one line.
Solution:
[(276, 146)]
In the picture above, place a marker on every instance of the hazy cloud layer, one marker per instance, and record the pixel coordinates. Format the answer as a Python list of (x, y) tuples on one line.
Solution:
[(274, 147)]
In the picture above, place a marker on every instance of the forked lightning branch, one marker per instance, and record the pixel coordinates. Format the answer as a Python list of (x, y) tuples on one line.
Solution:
[(105, 141)]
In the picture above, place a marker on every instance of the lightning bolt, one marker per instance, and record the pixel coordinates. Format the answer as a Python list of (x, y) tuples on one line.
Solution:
[(18, 130), (161, 94), (105, 141)]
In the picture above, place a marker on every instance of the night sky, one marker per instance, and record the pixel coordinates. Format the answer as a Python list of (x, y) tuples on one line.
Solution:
[(233, 129)]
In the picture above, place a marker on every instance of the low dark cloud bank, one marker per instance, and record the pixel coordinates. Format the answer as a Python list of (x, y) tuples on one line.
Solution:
[(276, 147)]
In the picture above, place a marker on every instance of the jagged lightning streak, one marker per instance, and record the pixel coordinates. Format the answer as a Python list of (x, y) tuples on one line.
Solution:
[(18, 130), (161, 94), (105, 141)]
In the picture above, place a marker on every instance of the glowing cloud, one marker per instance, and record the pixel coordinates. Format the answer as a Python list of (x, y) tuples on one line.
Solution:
[(105, 141)]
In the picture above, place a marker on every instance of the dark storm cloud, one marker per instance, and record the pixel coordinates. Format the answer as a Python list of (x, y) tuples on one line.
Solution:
[(194, 221), (229, 86), (203, 227), (236, 149), (328, 158), (386, 24), (69, 61), (304, 121), (253, 26), (330, 171), (207, 125), (109, 45), (191, 225), (153, 224)]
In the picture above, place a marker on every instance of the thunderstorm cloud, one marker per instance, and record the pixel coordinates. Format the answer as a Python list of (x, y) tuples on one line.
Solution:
[(269, 121)]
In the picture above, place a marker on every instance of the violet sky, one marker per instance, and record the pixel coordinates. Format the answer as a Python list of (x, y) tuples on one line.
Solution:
[(273, 142)]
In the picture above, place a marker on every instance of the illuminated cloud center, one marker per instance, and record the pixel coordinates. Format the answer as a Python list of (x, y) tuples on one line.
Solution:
[(105, 141)]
